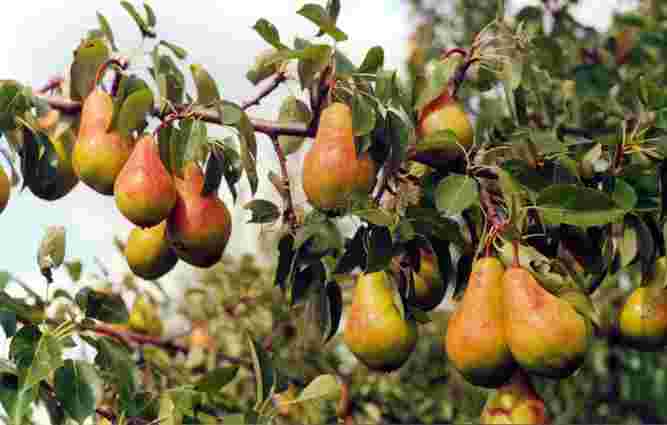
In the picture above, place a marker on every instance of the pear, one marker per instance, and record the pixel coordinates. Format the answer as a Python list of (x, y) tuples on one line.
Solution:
[(444, 113), (99, 154), (332, 171), (546, 335), (293, 110), (643, 318), (144, 189), (429, 286), (475, 341), (198, 226), (144, 317), (148, 252), (54, 186), (5, 188), (375, 330), (517, 402)]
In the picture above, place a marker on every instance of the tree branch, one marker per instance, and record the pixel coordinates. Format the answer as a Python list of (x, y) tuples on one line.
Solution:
[(289, 214), (278, 78)]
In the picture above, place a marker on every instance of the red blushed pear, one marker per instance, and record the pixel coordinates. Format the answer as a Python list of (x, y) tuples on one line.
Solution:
[(144, 189), (546, 335), (198, 226), (517, 402), (332, 171), (4, 190), (444, 113), (99, 154)]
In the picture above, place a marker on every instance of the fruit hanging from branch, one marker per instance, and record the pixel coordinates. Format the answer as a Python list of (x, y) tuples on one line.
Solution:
[(545, 334), (429, 282), (199, 225), (148, 252), (376, 331), (100, 152), (475, 341), (517, 402), (144, 189), (332, 170)]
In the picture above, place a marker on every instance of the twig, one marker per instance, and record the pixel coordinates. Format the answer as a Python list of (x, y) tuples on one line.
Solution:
[(289, 214), (278, 78), (53, 83), (384, 183)]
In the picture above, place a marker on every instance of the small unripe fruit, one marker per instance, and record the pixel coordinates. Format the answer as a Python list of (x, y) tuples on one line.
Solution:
[(149, 253)]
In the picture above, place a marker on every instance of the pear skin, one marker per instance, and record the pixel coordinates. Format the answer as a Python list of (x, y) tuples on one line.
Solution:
[(546, 335), (5, 189), (332, 171), (475, 341), (375, 331), (144, 189), (148, 252), (517, 402), (643, 318), (144, 317), (99, 154), (429, 286), (445, 113), (198, 227)]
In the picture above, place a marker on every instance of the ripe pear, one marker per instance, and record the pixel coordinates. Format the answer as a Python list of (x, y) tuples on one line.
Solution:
[(444, 113), (144, 317), (332, 171), (54, 186), (293, 110), (546, 335), (375, 330), (643, 318), (149, 253), (517, 402), (99, 154), (475, 341), (198, 226), (144, 189), (5, 188), (429, 286)]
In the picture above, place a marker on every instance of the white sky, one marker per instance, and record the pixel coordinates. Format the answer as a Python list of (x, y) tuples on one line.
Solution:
[(35, 34)]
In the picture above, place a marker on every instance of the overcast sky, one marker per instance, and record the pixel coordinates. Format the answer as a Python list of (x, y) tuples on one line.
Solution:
[(36, 41)]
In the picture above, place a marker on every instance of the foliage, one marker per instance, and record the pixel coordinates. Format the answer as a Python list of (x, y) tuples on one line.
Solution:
[(566, 178)]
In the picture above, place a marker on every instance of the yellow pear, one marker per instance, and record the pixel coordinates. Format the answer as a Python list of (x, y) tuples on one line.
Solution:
[(144, 317), (375, 330), (429, 286), (546, 335), (444, 113), (149, 253), (475, 341), (517, 402)]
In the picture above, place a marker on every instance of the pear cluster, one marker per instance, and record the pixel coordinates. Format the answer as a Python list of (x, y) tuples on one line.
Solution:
[(508, 324)]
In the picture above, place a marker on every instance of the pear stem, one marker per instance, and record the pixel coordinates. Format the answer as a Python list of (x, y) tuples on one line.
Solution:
[(121, 64), (288, 214)]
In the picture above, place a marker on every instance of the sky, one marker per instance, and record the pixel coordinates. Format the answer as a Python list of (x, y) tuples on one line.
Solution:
[(37, 43)]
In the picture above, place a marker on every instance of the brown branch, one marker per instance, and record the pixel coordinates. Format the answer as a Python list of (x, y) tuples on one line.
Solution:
[(278, 78), (268, 127), (53, 83)]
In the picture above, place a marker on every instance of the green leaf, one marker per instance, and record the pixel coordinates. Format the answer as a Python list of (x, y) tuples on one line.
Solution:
[(106, 30), (207, 88), (315, 58), (178, 51), (108, 308), (323, 387), (269, 33), (136, 107), (593, 80), (15, 402), (5, 278), (265, 375), (77, 388), (578, 206), (334, 297), (232, 168), (74, 269), (317, 15), (24, 312), (456, 193), (385, 85), (88, 58), (624, 195), (150, 15), (8, 322), (376, 216), (214, 171), (112, 357), (214, 380), (23, 346), (248, 151), (262, 211), (373, 62), (363, 115), (48, 356), (13, 102), (144, 27), (266, 64), (286, 254)]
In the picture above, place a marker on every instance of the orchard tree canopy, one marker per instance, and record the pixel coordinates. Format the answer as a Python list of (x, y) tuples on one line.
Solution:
[(516, 171)]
